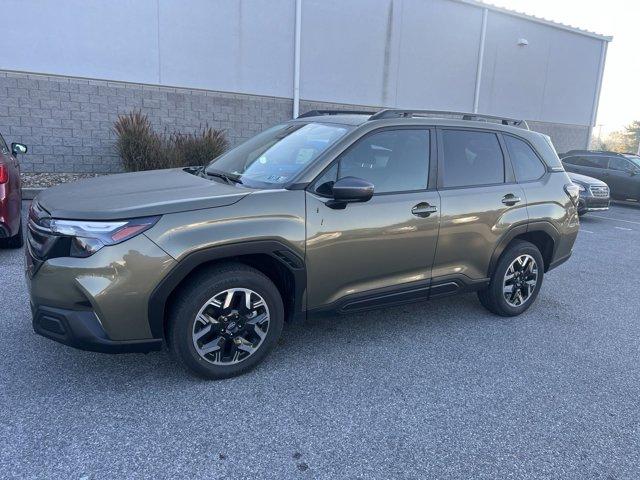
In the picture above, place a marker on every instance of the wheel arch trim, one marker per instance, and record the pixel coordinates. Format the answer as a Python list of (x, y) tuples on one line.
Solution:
[(291, 261), (537, 226)]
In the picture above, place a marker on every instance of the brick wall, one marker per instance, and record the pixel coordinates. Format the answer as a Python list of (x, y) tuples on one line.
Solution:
[(565, 137), (66, 121)]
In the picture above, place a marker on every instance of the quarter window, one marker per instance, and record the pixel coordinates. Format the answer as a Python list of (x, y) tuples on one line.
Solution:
[(525, 162), (471, 158), (393, 160)]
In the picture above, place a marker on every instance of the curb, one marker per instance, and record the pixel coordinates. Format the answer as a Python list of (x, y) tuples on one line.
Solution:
[(30, 193)]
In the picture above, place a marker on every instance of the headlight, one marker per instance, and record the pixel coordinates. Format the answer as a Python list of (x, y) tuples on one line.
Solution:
[(581, 188), (572, 191), (89, 237)]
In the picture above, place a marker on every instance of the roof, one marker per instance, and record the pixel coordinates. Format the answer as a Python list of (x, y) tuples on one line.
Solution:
[(592, 152), (360, 119), (533, 18)]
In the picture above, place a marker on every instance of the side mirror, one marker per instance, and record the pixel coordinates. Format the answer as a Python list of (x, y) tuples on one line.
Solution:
[(17, 148), (350, 190)]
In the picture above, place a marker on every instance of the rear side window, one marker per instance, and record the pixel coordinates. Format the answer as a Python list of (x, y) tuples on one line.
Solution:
[(471, 158), (596, 162), (525, 162)]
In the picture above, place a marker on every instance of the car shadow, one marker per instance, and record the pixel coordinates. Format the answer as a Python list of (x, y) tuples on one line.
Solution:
[(301, 343)]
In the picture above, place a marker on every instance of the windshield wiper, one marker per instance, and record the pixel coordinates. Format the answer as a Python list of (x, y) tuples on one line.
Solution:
[(230, 179)]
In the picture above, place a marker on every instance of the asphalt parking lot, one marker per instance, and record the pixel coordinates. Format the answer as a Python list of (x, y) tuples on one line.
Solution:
[(436, 390)]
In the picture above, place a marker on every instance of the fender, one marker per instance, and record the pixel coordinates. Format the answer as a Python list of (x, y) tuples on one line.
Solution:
[(538, 226), (279, 251)]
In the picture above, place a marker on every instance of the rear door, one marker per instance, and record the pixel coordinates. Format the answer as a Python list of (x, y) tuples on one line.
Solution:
[(480, 201), (621, 178)]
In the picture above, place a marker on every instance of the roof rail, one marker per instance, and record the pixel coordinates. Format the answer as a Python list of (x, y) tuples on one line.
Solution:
[(395, 113), (318, 113), (596, 152)]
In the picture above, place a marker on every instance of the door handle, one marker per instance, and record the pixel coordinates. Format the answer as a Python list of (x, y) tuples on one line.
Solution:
[(423, 209), (510, 199)]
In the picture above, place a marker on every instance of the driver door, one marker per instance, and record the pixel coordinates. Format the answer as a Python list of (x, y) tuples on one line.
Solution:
[(378, 252)]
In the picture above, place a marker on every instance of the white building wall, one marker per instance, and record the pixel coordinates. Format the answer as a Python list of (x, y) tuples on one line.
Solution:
[(398, 53), (554, 78), (228, 45)]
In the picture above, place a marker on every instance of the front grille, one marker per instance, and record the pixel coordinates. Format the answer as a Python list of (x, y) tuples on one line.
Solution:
[(599, 191)]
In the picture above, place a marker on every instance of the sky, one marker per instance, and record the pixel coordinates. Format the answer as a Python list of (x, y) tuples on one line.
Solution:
[(620, 96)]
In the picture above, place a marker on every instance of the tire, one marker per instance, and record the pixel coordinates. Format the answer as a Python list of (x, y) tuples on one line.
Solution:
[(17, 241), (493, 297), (205, 297)]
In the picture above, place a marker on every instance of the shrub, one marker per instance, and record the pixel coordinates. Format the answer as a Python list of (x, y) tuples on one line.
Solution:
[(141, 148), (196, 148)]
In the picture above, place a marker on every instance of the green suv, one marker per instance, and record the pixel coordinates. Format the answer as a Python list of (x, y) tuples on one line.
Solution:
[(330, 212)]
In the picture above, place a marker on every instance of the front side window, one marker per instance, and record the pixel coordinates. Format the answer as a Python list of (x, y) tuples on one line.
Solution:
[(635, 159), (617, 163), (525, 162), (471, 158), (278, 154), (393, 160)]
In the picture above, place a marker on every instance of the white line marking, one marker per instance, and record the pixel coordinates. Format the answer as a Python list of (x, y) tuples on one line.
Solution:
[(616, 219), (587, 231), (622, 228)]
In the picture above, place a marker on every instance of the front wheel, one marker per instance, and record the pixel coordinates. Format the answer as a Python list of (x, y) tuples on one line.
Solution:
[(225, 321), (516, 280)]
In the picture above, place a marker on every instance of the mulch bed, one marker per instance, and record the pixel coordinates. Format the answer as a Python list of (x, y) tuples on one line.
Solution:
[(46, 180)]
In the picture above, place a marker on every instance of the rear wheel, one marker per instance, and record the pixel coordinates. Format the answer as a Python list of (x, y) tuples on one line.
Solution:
[(516, 281), (17, 241), (225, 321)]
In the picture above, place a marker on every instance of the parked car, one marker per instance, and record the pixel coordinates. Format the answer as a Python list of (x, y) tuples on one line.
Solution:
[(10, 195), (594, 193), (621, 172), (338, 213)]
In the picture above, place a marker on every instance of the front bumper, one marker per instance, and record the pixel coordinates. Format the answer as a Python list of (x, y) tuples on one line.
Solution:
[(98, 303), (82, 329)]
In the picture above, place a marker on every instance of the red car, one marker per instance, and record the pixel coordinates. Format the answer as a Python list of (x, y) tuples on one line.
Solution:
[(10, 195)]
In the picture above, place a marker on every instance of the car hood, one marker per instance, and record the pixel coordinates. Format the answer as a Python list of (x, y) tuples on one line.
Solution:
[(576, 177), (139, 194)]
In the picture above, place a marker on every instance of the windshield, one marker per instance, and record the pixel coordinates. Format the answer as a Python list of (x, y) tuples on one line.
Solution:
[(278, 154), (634, 158)]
